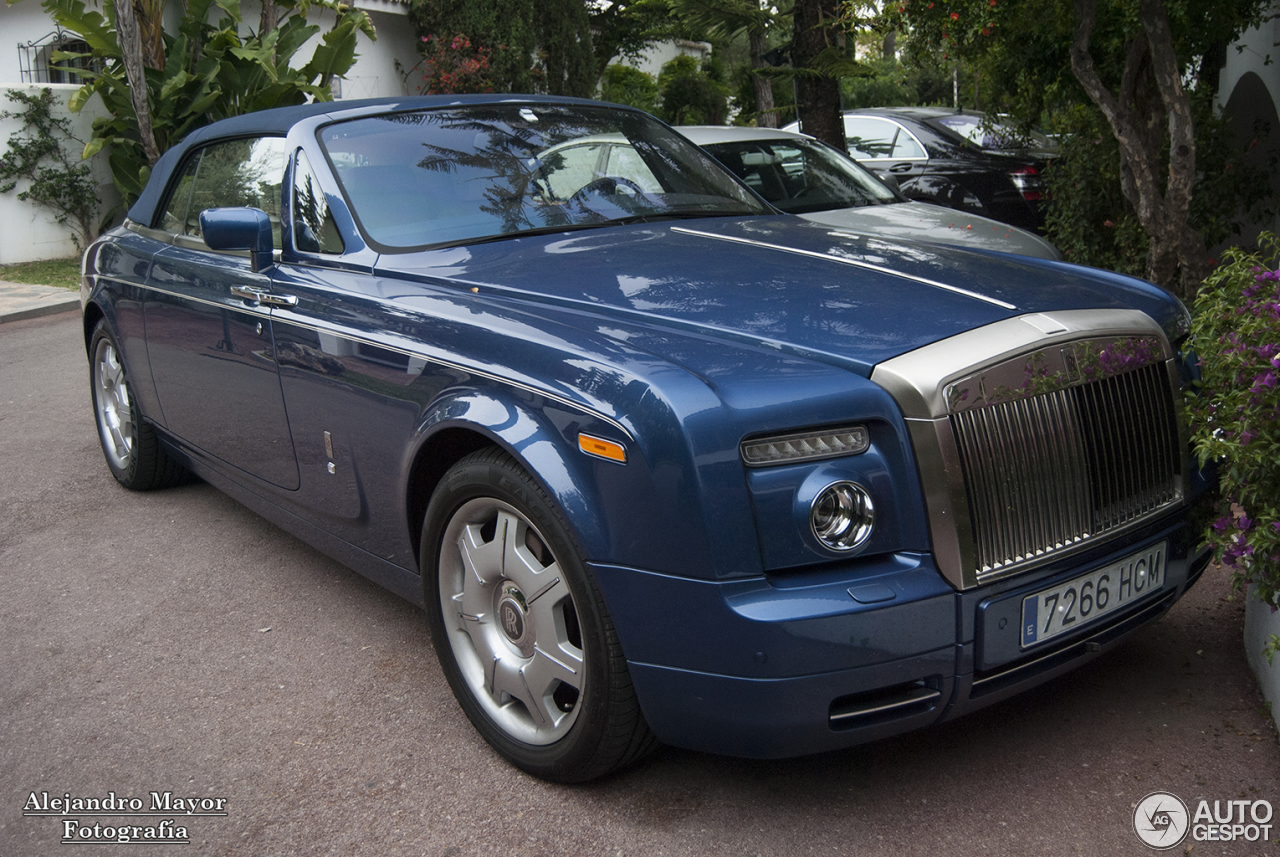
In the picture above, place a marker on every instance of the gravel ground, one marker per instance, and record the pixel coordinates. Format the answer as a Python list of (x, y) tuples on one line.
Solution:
[(175, 642)]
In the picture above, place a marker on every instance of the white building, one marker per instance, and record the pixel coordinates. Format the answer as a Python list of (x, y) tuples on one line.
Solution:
[(28, 233), (658, 54), (1249, 96)]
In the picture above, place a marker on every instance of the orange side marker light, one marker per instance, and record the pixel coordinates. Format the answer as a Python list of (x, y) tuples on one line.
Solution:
[(602, 448)]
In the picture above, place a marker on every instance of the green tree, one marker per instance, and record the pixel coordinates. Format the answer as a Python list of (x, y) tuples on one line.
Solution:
[(631, 86), (891, 83), (453, 66), (158, 86), (624, 28), (1141, 64), (534, 45), (748, 18), (692, 95)]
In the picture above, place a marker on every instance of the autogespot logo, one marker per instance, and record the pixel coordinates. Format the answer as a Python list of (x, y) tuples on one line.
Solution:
[(1160, 820)]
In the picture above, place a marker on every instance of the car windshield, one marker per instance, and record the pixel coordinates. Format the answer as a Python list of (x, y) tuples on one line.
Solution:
[(464, 174), (799, 176), (989, 133)]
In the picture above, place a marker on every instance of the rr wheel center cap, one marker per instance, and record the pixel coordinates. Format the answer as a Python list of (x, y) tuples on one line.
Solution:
[(513, 619)]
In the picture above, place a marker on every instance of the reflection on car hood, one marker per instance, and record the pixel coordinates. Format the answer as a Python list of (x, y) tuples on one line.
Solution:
[(917, 221), (780, 283)]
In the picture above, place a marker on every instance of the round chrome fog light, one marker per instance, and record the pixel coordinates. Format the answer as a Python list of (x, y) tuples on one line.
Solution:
[(842, 516)]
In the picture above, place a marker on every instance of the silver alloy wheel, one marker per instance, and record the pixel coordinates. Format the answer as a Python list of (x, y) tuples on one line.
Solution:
[(511, 622), (114, 405)]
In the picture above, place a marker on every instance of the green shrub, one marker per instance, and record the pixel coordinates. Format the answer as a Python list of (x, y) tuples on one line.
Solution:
[(56, 181), (692, 94), (623, 84), (1088, 218), (1235, 411)]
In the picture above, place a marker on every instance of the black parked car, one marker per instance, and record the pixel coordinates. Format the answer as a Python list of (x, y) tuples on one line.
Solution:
[(959, 159)]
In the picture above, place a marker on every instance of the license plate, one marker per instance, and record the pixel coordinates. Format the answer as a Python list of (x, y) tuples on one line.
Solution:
[(1087, 598)]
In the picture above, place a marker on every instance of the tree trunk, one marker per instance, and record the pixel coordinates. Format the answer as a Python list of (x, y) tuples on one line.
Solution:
[(131, 49), (817, 95), (150, 15), (766, 117), (889, 47), (268, 21), (1177, 258)]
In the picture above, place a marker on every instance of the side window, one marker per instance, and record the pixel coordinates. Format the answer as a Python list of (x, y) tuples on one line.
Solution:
[(314, 230), (907, 147), (869, 138), (175, 213), (570, 169), (236, 173), (625, 162)]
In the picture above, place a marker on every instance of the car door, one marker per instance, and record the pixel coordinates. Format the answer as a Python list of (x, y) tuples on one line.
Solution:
[(353, 397), (884, 146), (208, 323)]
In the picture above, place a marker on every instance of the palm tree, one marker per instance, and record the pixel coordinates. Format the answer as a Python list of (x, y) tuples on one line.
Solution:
[(728, 18)]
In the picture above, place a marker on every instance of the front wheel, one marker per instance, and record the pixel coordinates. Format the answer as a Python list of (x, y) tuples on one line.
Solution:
[(521, 631)]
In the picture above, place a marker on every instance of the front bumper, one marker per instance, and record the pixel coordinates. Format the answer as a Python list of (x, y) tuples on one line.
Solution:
[(770, 669)]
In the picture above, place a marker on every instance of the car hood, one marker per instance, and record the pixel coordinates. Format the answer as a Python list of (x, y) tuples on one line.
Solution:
[(779, 283), (917, 221)]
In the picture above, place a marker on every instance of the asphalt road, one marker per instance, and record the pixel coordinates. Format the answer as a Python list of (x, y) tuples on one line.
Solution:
[(175, 642)]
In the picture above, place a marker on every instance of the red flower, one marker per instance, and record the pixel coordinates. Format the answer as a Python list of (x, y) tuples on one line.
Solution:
[(955, 16)]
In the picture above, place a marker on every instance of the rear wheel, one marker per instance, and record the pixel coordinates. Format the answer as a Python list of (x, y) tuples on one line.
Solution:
[(521, 631), (132, 450)]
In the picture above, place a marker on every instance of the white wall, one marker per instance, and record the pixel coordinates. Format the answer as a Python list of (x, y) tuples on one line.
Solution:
[(375, 73), (20, 23), (656, 55), (1248, 91), (1257, 51), (28, 233)]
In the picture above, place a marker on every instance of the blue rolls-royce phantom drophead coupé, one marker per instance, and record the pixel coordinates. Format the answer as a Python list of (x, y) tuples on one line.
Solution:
[(660, 462)]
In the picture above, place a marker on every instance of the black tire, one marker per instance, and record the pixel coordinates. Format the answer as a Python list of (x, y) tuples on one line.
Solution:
[(521, 631), (129, 443)]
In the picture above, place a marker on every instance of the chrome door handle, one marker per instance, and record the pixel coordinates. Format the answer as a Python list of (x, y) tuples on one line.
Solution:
[(265, 298)]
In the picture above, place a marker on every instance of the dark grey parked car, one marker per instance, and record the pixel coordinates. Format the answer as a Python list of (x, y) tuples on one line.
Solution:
[(802, 176), (960, 159)]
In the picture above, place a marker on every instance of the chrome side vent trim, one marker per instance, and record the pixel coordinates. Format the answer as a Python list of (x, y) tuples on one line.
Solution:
[(850, 712)]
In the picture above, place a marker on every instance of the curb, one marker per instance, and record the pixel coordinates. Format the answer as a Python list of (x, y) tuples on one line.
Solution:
[(20, 301), (37, 312)]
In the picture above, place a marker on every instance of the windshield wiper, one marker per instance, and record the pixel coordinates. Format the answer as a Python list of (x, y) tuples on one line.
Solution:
[(673, 215), (576, 227)]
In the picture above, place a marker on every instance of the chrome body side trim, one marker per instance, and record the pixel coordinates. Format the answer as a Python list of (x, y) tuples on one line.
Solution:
[(420, 354)]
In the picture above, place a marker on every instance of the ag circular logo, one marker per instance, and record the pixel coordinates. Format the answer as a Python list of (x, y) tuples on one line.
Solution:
[(1160, 820)]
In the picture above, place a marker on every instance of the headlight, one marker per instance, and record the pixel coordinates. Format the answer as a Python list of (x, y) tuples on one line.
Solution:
[(842, 516), (806, 446)]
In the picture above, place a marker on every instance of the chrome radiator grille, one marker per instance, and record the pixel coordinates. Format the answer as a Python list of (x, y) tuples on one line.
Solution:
[(1048, 472)]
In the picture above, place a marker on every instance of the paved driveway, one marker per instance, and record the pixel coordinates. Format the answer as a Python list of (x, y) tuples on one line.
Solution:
[(175, 642)]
